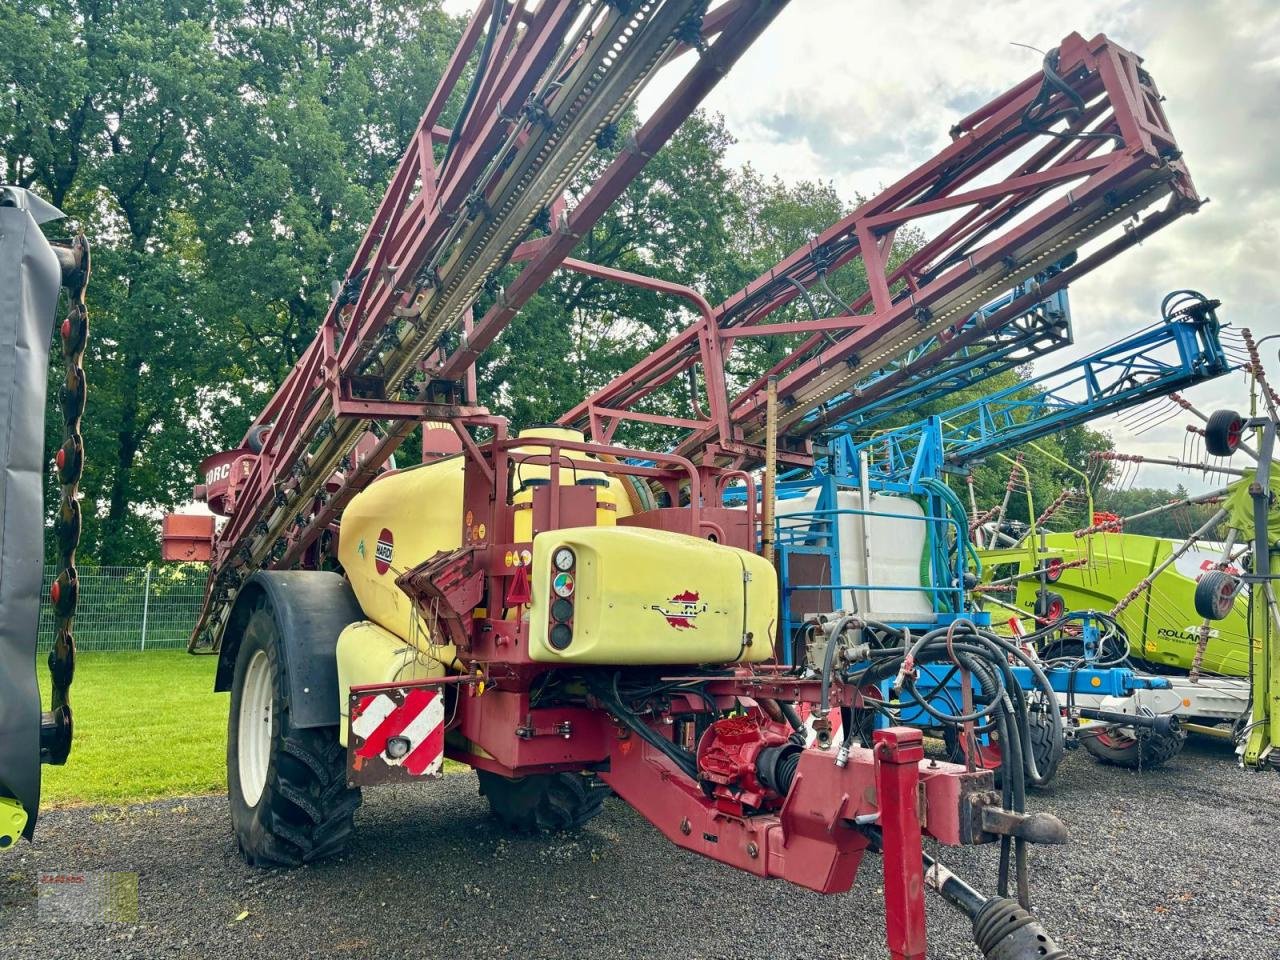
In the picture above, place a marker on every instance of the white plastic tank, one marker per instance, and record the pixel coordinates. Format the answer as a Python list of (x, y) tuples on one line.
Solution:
[(885, 548)]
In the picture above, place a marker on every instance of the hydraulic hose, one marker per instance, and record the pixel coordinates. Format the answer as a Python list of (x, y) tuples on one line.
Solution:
[(608, 693), (997, 651), (793, 716), (1042, 682), (495, 21)]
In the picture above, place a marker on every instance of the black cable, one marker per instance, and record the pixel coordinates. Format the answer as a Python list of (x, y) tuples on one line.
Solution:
[(813, 309), (495, 21), (1046, 688), (613, 700)]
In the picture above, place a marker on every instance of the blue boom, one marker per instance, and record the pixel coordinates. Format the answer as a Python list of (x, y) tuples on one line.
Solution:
[(911, 461)]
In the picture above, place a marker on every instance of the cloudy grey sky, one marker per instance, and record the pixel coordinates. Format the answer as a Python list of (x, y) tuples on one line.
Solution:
[(860, 93)]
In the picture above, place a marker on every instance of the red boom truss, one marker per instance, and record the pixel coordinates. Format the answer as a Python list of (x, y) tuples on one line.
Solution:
[(553, 78), (1035, 175)]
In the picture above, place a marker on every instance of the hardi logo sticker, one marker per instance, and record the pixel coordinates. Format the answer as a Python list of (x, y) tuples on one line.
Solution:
[(681, 610), (384, 552)]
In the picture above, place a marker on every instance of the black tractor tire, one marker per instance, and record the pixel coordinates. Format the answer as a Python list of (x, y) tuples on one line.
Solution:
[(1050, 605), (1042, 745), (1215, 594), (257, 437), (542, 803), (1143, 752), (1222, 433), (303, 810)]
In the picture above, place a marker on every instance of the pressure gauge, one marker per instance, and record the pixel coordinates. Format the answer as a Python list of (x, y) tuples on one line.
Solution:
[(562, 585), (563, 559)]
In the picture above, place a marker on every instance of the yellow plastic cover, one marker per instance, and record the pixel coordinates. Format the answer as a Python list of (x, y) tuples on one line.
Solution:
[(649, 597)]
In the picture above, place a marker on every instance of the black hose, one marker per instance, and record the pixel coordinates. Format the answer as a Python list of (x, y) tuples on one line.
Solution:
[(1006, 712), (1046, 688), (955, 719), (495, 21), (613, 700), (822, 279), (988, 658), (813, 309), (997, 652), (847, 725), (793, 716), (800, 645), (828, 661)]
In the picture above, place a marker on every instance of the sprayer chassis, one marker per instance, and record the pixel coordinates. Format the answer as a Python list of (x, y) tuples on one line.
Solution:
[(810, 826)]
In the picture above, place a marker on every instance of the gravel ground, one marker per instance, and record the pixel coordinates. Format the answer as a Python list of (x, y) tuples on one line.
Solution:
[(1177, 863)]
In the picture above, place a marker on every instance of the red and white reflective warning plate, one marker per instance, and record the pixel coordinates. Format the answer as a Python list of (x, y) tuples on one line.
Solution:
[(395, 733)]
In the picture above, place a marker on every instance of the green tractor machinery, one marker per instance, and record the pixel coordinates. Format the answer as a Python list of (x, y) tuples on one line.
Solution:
[(1202, 612)]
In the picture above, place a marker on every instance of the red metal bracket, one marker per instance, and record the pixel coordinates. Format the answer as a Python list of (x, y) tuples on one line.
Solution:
[(898, 752), (445, 590)]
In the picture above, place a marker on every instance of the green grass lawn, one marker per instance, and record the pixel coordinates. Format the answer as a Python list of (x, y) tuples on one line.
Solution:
[(148, 725)]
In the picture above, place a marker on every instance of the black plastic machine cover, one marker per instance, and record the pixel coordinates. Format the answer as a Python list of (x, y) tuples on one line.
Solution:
[(30, 280)]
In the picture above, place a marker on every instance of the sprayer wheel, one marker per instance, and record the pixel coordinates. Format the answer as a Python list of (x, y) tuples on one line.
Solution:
[(288, 792), (1145, 752), (543, 803)]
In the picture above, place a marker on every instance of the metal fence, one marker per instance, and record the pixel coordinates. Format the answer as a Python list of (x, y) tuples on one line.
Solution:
[(131, 608)]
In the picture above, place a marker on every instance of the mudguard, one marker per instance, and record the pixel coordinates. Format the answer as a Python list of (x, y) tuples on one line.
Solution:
[(311, 608), (30, 281)]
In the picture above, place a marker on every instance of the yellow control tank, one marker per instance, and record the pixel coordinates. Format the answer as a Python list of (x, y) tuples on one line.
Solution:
[(633, 596)]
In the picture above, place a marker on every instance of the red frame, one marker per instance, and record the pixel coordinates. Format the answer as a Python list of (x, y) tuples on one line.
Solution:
[(1078, 189)]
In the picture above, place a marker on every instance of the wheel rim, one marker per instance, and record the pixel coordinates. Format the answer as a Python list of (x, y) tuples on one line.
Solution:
[(1116, 741), (1226, 597), (254, 734)]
